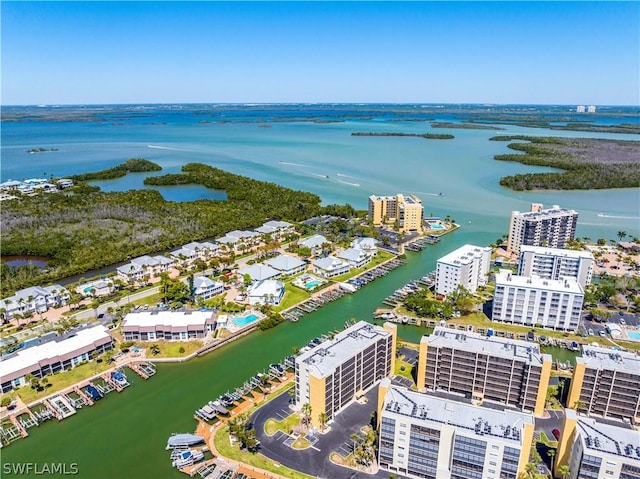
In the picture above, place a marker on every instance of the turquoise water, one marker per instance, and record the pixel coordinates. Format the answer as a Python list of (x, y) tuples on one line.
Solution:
[(633, 335), (436, 226), (312, 284), (323, 158), (244, 320)]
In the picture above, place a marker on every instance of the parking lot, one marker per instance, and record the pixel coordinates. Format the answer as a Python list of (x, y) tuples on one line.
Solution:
[(598, 328)]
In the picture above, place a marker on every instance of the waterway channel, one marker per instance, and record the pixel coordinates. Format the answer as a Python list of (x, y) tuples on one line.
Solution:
[(124, 435)]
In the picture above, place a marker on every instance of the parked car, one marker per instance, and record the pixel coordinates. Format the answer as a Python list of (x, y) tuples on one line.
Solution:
[(591, 332), (556, 433), (602, 335)]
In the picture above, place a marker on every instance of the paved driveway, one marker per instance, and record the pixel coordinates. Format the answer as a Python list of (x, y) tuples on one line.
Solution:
[(315, 460)]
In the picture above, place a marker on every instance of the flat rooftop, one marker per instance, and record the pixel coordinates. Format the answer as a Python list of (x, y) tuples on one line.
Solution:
[(329, 354), (615, 440), (166, 318), (501, 347), (507, 424), (545, 214), (565, 253), (564, 285), (464, 255), (597, 357)]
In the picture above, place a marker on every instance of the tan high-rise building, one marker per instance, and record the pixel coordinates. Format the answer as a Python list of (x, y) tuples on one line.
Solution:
[(407, 211), (331, 375), (606, 383), (482, 368)]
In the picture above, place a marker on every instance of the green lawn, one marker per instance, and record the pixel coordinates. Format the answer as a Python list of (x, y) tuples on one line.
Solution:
[(63, 380), (171, 349), (224, 447), (403, 368), (381, 257), (286, 425), (292, 296)]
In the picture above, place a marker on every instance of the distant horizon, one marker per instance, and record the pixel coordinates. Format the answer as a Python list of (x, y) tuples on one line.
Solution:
[(354, 103), (320, 52)]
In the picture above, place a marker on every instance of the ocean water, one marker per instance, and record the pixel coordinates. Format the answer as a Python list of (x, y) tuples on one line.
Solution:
[(312, 149)]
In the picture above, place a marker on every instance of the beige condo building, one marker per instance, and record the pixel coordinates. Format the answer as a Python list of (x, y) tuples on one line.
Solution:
[(406, 210), (331, 375), (483, 368)]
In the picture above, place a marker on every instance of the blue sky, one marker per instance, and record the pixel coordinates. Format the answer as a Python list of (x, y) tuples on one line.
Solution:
[(449, 52)]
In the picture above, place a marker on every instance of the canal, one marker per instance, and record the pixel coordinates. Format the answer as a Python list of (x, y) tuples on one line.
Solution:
[(124, 435)]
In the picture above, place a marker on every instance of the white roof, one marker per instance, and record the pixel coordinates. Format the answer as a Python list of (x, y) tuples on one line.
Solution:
[(285, 262), (314, 241), (145, 261), (166, 318), (464, 255), (30, 357), (277, 224), (266, 229), (242, 234), (352, 254), (266, 287), (228, 239), (259, 272), (546, 251), (365, 243), (186, 252), (597, 357), (330, 263), (10, 184), (506, 277)]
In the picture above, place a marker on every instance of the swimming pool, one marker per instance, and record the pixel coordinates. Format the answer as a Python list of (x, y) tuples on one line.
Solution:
[(244, 320), (436, 226), (633, 335), (312, 284)]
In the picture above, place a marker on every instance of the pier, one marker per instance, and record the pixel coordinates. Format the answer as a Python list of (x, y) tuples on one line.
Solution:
[(62, 406), (108, 381), (21, 429)]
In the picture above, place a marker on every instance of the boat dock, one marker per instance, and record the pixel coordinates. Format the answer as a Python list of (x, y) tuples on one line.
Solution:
[(107, 379), (21, 429), (62, 406), (144, 370)]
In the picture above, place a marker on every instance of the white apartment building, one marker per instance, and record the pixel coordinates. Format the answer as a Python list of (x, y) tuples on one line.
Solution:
[(467, 266), (555, 263), (534, 301), (553, 227), (595, 450), (424, 436)]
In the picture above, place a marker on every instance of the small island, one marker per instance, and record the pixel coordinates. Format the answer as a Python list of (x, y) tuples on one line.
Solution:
[(428, 136), (133, 165), (588, 163), (463, 126), (40, 150)]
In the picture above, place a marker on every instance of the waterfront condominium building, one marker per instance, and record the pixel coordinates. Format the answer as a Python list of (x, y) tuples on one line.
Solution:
[(484, 368), (51, 354), (531, 300), (167, 325), (555, 263), (553, 227), (606, 383), (423, 436), (407, 211), (467, 267), (331, 375), (595, 450)]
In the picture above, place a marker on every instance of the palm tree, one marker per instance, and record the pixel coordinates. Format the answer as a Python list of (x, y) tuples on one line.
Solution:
[(530, 468), (564, 470), (578, 405), (322, 419), (8, 302), (154, 349), (306, 413), (551, 453), (622, 235), (355, 438)]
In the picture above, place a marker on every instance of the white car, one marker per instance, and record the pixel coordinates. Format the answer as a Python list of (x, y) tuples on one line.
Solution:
[(602, 335)]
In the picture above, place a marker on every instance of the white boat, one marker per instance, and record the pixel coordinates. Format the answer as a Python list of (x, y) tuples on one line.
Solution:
[(187, 458), (178, 440)]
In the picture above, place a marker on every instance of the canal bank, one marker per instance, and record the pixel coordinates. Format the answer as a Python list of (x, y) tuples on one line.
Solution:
[(124, 436)]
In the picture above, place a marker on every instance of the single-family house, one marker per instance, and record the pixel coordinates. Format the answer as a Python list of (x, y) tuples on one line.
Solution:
[(370, 245), (36, 299), (153, 265), (64, 183), (266, 292), (101, 287), (275, 228), (287, 265), (314, 242), (184, 256), (330, 266), (356, 257), (259, 272), (206, 288)]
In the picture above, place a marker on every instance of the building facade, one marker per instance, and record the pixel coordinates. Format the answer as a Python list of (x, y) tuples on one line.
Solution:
[(407, 211), (167, 325), (606, 383), (467, 266), (555, 263), (483, 368), (532, 301), (595, 450), (331, 375), (553, 227), (58, 354), (428, 437)]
